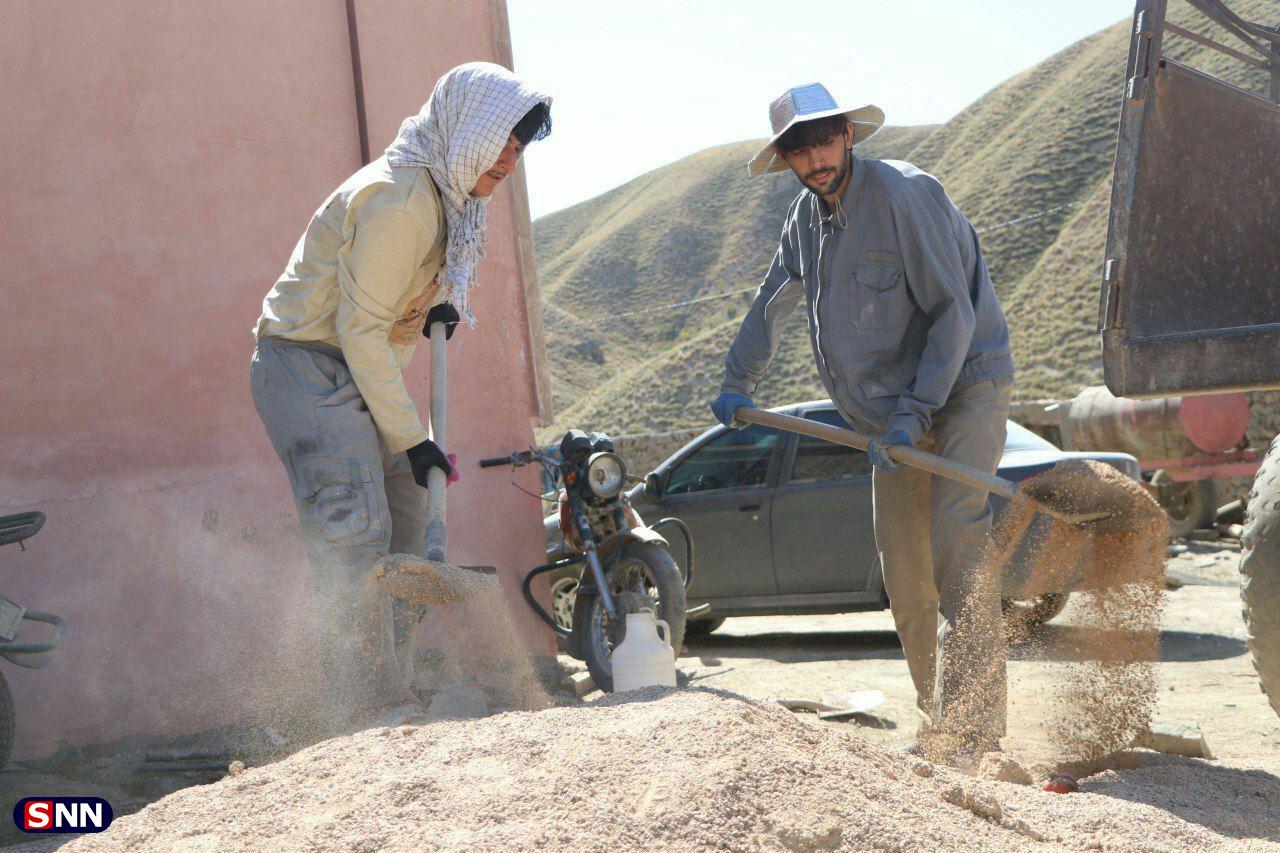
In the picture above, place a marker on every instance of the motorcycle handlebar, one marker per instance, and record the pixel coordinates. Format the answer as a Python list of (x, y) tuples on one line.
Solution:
[(523, 457)]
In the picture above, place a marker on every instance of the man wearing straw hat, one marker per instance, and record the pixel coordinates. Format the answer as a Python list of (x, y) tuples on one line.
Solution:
[(912, 346)]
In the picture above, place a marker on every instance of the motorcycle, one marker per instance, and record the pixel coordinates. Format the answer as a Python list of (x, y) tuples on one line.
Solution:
[(16, 529), (626, 565)]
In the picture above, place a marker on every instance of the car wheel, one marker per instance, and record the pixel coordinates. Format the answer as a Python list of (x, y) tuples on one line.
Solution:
[(564, 590), (702, 627), (1024, 614)]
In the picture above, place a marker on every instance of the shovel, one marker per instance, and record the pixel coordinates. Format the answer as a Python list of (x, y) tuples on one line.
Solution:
[(852, 704), (432, 580), (1091, 502)]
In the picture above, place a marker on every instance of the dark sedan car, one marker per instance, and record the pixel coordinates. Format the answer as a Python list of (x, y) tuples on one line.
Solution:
[(782, 522)]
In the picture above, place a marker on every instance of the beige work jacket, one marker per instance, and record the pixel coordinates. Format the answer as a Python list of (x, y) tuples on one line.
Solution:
[(362, 278)]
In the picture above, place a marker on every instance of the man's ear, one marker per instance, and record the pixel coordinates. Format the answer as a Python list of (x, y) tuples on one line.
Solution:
[(848, 135)]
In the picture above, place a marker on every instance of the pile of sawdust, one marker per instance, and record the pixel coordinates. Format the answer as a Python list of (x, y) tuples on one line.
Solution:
[(1106, 692), (658, 769)]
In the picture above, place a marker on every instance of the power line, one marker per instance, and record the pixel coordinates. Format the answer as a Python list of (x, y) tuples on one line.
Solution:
[(1036, 215)]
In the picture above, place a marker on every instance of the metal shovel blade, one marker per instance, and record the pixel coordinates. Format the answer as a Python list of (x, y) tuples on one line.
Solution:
[(1094, 497), (427, 582)]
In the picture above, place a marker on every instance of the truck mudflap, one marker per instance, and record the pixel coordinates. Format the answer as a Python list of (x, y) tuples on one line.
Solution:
[(1189, 302)]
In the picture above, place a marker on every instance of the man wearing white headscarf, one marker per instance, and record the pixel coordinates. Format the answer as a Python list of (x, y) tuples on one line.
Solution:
[(391, 251)]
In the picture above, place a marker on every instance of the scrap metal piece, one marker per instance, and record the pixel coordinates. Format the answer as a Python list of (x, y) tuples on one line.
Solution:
[(851, 704), (11, 613)]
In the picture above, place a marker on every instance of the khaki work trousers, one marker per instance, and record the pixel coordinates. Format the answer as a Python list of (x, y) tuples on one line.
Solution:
[(355, 502), (930, 532)]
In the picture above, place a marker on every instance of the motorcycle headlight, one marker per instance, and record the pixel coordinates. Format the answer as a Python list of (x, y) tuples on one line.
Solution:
[(605, 475)]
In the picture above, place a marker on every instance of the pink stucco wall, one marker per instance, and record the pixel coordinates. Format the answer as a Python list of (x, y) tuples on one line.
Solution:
[(159, 162)]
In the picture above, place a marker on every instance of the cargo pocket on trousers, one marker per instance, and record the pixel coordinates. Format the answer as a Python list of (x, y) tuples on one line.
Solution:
[(344, 502)]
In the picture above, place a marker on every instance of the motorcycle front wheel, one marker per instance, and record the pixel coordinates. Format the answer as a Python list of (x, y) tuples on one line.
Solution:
[(645, 576)]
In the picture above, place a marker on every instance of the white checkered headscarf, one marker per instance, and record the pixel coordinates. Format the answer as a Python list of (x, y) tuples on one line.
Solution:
[(458, 136)]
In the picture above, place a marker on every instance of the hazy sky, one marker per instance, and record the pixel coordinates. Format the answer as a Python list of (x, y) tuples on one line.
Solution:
[(643, 83)]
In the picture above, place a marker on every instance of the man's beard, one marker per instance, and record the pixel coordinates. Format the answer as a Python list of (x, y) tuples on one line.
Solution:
[(829, 185)]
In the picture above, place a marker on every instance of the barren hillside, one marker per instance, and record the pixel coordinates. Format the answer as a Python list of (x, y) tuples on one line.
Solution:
[(1040, 143)]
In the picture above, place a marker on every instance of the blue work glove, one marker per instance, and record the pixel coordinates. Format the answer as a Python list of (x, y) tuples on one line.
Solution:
[(878, 449), (726, 404)]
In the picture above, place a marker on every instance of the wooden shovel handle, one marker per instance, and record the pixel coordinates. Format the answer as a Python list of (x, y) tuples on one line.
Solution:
[(907, 455), (436, 544)]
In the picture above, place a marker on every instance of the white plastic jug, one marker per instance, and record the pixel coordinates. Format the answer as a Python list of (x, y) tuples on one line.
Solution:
[(643, 659)]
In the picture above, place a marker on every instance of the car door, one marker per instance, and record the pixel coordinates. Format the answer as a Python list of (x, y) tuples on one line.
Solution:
[(823, 541), (722, 490)]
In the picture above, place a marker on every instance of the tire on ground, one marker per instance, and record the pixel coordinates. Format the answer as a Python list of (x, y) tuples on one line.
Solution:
[(1260, 574), (669, 583), (1025, 615), (1195, 504), (702, 627), (564, 587), (7, 718)]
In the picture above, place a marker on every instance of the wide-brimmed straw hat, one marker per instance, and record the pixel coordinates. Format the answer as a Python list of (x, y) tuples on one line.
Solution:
[(805, 103)]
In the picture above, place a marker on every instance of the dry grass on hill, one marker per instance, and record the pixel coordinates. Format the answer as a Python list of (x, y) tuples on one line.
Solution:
[(1042, 140)]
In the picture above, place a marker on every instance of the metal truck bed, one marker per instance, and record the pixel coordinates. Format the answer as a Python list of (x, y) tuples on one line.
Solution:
[(1191, 291)]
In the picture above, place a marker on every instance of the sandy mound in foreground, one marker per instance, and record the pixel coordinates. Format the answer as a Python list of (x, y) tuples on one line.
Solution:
[(696, 768)]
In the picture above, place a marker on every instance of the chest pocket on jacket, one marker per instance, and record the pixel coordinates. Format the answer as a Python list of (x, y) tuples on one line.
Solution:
[(879, 297)]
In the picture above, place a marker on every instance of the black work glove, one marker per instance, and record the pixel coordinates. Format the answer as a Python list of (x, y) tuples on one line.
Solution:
[(425, 456), (442, 313)]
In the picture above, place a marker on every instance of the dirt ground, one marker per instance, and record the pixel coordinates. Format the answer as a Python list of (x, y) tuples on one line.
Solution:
[(1205, 679)]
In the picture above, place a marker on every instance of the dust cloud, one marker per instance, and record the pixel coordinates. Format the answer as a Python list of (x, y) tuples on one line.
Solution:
[(1106, 691)]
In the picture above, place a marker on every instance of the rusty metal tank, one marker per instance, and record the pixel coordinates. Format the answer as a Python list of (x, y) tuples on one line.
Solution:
[(1163, 428)]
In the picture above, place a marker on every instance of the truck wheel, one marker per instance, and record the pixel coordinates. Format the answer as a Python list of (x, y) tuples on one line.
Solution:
[(1260, 574), (6, 722), (1188, 506)]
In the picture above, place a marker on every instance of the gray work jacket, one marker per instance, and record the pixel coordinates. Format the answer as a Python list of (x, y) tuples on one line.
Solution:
[(901, 309)]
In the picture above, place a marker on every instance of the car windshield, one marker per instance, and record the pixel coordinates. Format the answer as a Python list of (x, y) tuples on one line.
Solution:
[(733, 459)]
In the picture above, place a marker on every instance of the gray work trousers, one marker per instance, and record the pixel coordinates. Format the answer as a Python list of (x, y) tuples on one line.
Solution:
[(930, 532), (355, 502)]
